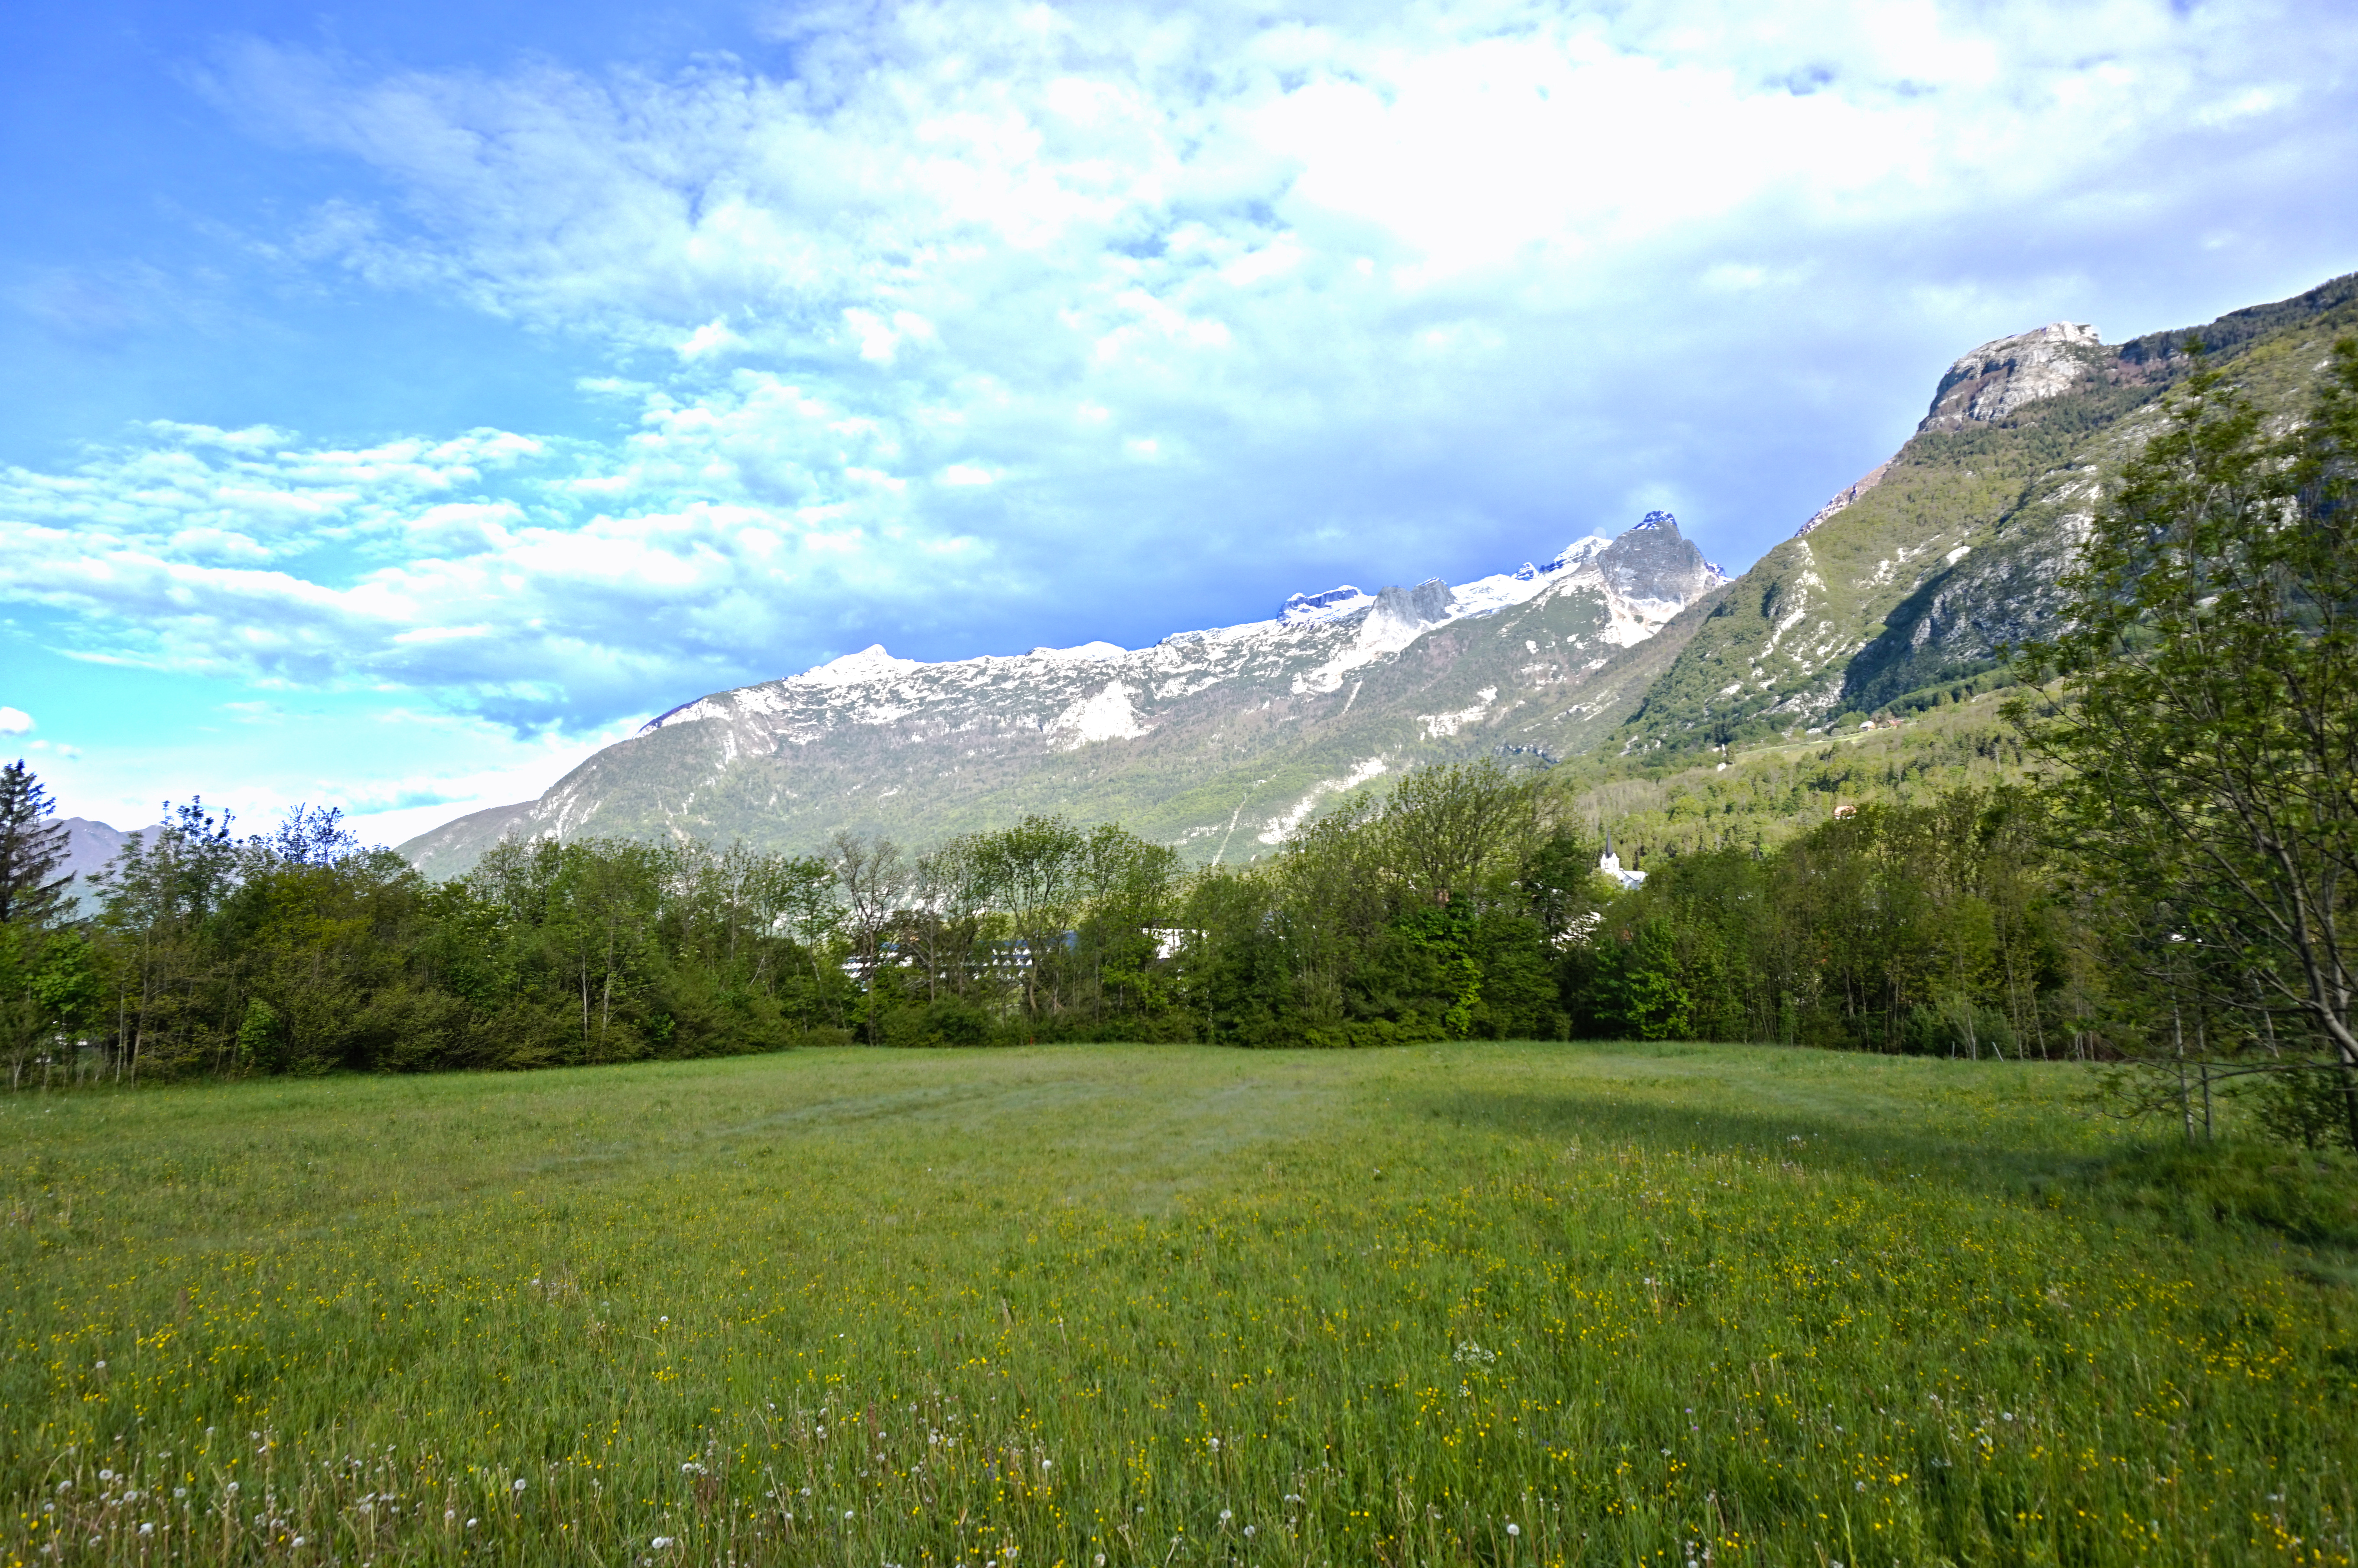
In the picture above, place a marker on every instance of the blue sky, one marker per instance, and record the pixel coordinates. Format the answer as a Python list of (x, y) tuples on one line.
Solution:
[(398, 402)]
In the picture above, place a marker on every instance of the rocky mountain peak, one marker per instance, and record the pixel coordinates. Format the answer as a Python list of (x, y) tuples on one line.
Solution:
[(1331, 605), (2002, 375), (1652, 564)]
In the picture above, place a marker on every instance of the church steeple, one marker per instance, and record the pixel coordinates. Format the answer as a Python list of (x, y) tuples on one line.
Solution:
[(1610, 864)]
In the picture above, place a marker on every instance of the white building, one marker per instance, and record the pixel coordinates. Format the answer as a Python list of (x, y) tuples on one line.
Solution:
[(1610, 864)]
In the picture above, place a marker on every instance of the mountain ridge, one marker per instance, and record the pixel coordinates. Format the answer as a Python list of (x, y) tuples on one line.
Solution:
[(1913, 578), (1209, 740)]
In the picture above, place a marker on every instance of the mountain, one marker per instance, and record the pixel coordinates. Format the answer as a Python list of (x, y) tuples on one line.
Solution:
[(1904, 589), (89, 845), (1912, 581), (1219, 741)]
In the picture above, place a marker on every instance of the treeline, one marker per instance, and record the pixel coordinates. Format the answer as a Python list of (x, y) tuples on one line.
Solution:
[(1461, 904)]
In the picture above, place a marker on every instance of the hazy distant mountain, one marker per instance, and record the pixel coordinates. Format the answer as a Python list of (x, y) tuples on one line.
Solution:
[(89, 845), (1220, 742)]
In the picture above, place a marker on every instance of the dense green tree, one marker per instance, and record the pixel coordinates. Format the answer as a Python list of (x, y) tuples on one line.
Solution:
[(2206, 739), (31, 847)]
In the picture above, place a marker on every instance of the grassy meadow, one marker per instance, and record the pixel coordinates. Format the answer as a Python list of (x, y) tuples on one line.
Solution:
[(1161, 1306)]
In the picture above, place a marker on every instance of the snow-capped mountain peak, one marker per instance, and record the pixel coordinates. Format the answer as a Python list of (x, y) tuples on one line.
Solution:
[(870, 662), (1331, 605), (1208, 740)]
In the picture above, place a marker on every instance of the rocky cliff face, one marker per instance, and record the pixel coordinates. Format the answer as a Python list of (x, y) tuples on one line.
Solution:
[(1998, 379), (1926, 569), (1221, 742)]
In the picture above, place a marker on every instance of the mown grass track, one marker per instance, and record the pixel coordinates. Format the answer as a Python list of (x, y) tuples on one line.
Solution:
[(1521, 1303)]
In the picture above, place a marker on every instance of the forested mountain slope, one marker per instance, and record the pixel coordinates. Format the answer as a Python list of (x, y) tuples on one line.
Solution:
[(1917, 576)]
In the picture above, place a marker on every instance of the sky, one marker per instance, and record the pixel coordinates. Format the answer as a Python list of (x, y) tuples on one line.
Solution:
[(398, 402)]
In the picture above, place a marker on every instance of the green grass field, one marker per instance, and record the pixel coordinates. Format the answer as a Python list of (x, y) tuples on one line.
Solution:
[(1133, 1305)]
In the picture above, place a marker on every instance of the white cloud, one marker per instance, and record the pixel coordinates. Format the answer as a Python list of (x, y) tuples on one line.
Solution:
[(15, 721), (994, 302), (712, 339)]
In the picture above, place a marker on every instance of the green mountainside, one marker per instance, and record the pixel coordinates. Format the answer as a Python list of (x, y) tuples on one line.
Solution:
[(1917, 578)]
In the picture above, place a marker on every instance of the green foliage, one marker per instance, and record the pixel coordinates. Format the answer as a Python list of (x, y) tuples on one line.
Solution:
[(1923, 929), (2206, 743), (1435, 912)]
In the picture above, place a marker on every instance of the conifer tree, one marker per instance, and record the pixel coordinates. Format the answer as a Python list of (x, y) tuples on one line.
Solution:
[(31, 847)]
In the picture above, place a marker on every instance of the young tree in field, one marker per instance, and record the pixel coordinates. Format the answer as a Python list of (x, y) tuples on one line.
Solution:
[(2208, 736)]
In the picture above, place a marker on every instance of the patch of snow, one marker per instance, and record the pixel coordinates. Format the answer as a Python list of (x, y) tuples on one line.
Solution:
[(1334, 605), (1282, 825), (1106, 715), (1439, 725), (871, 662)]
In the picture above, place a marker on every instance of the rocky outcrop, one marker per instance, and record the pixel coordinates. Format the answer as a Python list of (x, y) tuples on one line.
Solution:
[(2000, 377), (1843, 498)]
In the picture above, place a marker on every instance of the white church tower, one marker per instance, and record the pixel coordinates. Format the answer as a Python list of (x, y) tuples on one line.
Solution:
[(1610, 864)]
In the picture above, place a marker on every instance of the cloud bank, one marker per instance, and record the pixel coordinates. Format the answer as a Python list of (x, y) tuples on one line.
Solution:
[(967, 325)]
